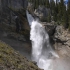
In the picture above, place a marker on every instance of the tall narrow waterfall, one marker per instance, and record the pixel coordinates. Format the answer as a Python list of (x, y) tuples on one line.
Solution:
[(42, 52)]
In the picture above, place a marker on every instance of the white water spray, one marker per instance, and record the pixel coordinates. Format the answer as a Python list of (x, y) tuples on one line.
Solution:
[(41, 48)]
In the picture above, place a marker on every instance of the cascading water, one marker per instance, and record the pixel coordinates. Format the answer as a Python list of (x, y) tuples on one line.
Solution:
[(40, 45), (29, 17), (41, 48)]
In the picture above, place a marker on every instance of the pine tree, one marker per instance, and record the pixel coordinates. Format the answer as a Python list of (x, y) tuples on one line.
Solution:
[(65, 18), (69, 13), (56, 11), (47, 4), (52, 7), (60, 10), (36, 5)]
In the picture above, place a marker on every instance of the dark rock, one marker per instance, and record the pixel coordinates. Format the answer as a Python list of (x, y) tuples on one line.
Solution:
[(58, 31), (42, 12), (35, 63), (50, 28), (16, 36)]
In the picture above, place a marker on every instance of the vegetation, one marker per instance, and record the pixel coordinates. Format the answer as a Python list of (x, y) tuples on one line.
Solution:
[(59, 11), (12, 60)]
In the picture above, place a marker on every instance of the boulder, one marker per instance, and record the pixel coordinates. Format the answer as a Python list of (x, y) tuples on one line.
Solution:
[(62, 36), (42, 12), (58, 31)]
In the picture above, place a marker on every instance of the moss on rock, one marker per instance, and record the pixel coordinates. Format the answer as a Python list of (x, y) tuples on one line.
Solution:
[(12, 60)]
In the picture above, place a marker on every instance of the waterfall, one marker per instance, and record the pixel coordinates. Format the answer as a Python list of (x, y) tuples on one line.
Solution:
[(42, 53), (29, 17)]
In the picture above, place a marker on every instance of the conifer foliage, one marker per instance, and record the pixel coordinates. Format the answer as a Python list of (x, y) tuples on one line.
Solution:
[(59, 10)]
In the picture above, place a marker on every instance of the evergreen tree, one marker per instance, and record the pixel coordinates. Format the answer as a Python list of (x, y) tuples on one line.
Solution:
[(60, 10), (47, 4), (49, 17), (65, 18), (36, 5), (52, 7), (69, 13)]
